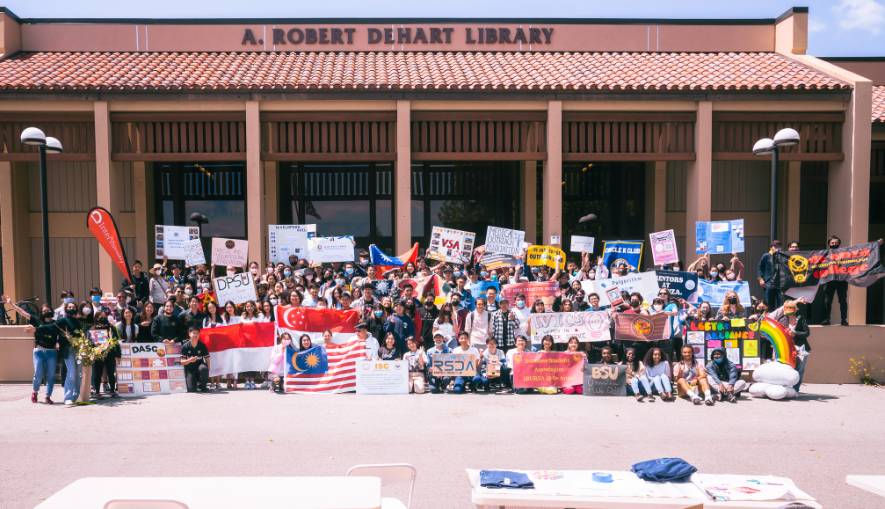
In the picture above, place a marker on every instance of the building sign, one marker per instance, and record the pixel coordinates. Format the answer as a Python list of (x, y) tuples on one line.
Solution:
[(288, 37)]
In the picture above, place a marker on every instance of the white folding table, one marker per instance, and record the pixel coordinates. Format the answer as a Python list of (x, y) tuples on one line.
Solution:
[(872, 483), (223, 492)]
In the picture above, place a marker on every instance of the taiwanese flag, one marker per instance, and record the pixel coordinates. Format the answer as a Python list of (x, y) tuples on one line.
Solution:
[(387, 263), (103, 227), (238, 348), (298, 320)]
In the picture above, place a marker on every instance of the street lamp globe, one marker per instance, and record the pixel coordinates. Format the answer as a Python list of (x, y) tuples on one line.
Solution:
[(33, 136), (763, 147), (53, 146), (786, 137)]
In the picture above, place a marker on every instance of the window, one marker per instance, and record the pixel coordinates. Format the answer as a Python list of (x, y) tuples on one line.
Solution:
[(216, 190)]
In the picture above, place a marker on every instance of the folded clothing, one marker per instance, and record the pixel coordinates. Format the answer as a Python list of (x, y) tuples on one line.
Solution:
[(505, 479), (664, 470)]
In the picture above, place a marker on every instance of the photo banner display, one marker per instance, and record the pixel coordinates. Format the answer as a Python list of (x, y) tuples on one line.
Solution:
[(587, 326), (229, 252), (382, 377), (479, 288), (545, 256), (330, 249), (171, 241), (646, 283), (532, 370), (740, 341), (719, 237), (640, 327), (450, 245), (238, 288), (145, 369), (543, 290), (605, 380), (714, 293), (504, 241), (663, 247), (616, 251), (453, 364), (285, 240), (859, 265), (581, 244), (680, 284)]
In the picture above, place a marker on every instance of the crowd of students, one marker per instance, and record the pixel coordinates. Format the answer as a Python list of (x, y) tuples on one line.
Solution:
[(168, 304)]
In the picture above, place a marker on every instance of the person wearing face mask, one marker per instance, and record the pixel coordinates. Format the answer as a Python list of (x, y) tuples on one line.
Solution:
[(86, 317), (158, 286), (731, 307), (771, 275), (835, 289), (789, 316), (635, 305), (477, 324), (504, 326), (376, 320), (522, 311), (66, 297), (108, 365), (724, 377), (69, 325), (47, 336), (400, 325), (428, 314)]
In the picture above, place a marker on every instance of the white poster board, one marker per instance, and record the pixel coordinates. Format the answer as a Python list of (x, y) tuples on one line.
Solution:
[(193, 254), (504, 241), (382, 377), (231, 252), (330, 249), (171, 241), (663, 247), (587, 326), (238, 288), (581, 244), (646, 283), (450, 245), (144, 369), (285, 240)]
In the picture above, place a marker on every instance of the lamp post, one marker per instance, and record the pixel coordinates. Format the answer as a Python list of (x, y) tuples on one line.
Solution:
[(35, 137), (783, 138)]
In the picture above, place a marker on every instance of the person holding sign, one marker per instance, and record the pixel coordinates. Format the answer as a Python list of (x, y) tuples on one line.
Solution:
[(195, 358), (417, 363), (108, 365), (463, 383), (493, 367), (573, 348), (437, 383)]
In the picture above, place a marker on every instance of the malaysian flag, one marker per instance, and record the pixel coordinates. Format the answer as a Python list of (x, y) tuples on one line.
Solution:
[(302, 368)]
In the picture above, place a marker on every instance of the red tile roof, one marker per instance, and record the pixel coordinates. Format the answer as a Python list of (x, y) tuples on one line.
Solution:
[(391, 71), (879, 104)]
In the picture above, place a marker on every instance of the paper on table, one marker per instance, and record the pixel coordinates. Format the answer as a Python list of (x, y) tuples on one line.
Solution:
[(728, 487), (624, 484)]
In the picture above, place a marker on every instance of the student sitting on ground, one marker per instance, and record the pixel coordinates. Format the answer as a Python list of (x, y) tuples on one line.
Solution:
[(417, 363), (437, 383), (690, 376), (606, 355), (465, 383), (724, 377), (521, 344), (573, 348), (656, 372), (634, 367), (494, 367), (389, 351)]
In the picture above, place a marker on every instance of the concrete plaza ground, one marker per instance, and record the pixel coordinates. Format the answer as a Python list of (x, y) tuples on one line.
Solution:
[(832, 431)]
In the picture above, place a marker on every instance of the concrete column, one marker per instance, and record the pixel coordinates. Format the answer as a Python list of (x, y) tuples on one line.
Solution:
[(529, 187), (552, 191), (255, 223), (700, 177), (107, 184), (790, 222), (659, 195), (144, 222), (848, 210), (271, 193), (14, 231), (402, 178)]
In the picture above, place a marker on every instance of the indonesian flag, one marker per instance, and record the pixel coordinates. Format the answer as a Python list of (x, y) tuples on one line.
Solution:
[(340, 375), (238, 348), (386, 263), (298, 320)]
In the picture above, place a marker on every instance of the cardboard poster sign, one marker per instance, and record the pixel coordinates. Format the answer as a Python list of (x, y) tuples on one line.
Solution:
[(453, 364), (382, 377), (587, 326), (238, 288), (193, 253), (493, 367), (740, 341), (98, 336), (582, 244), (171, 241), (330, 249), (545, 256), (605, 380), (504, 241), (714, 293), (663, 247), (145, 369), (720, 237), (449, 245), (646, 283), (285, 240), (680, 284), (229, 252), (532, 370)]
